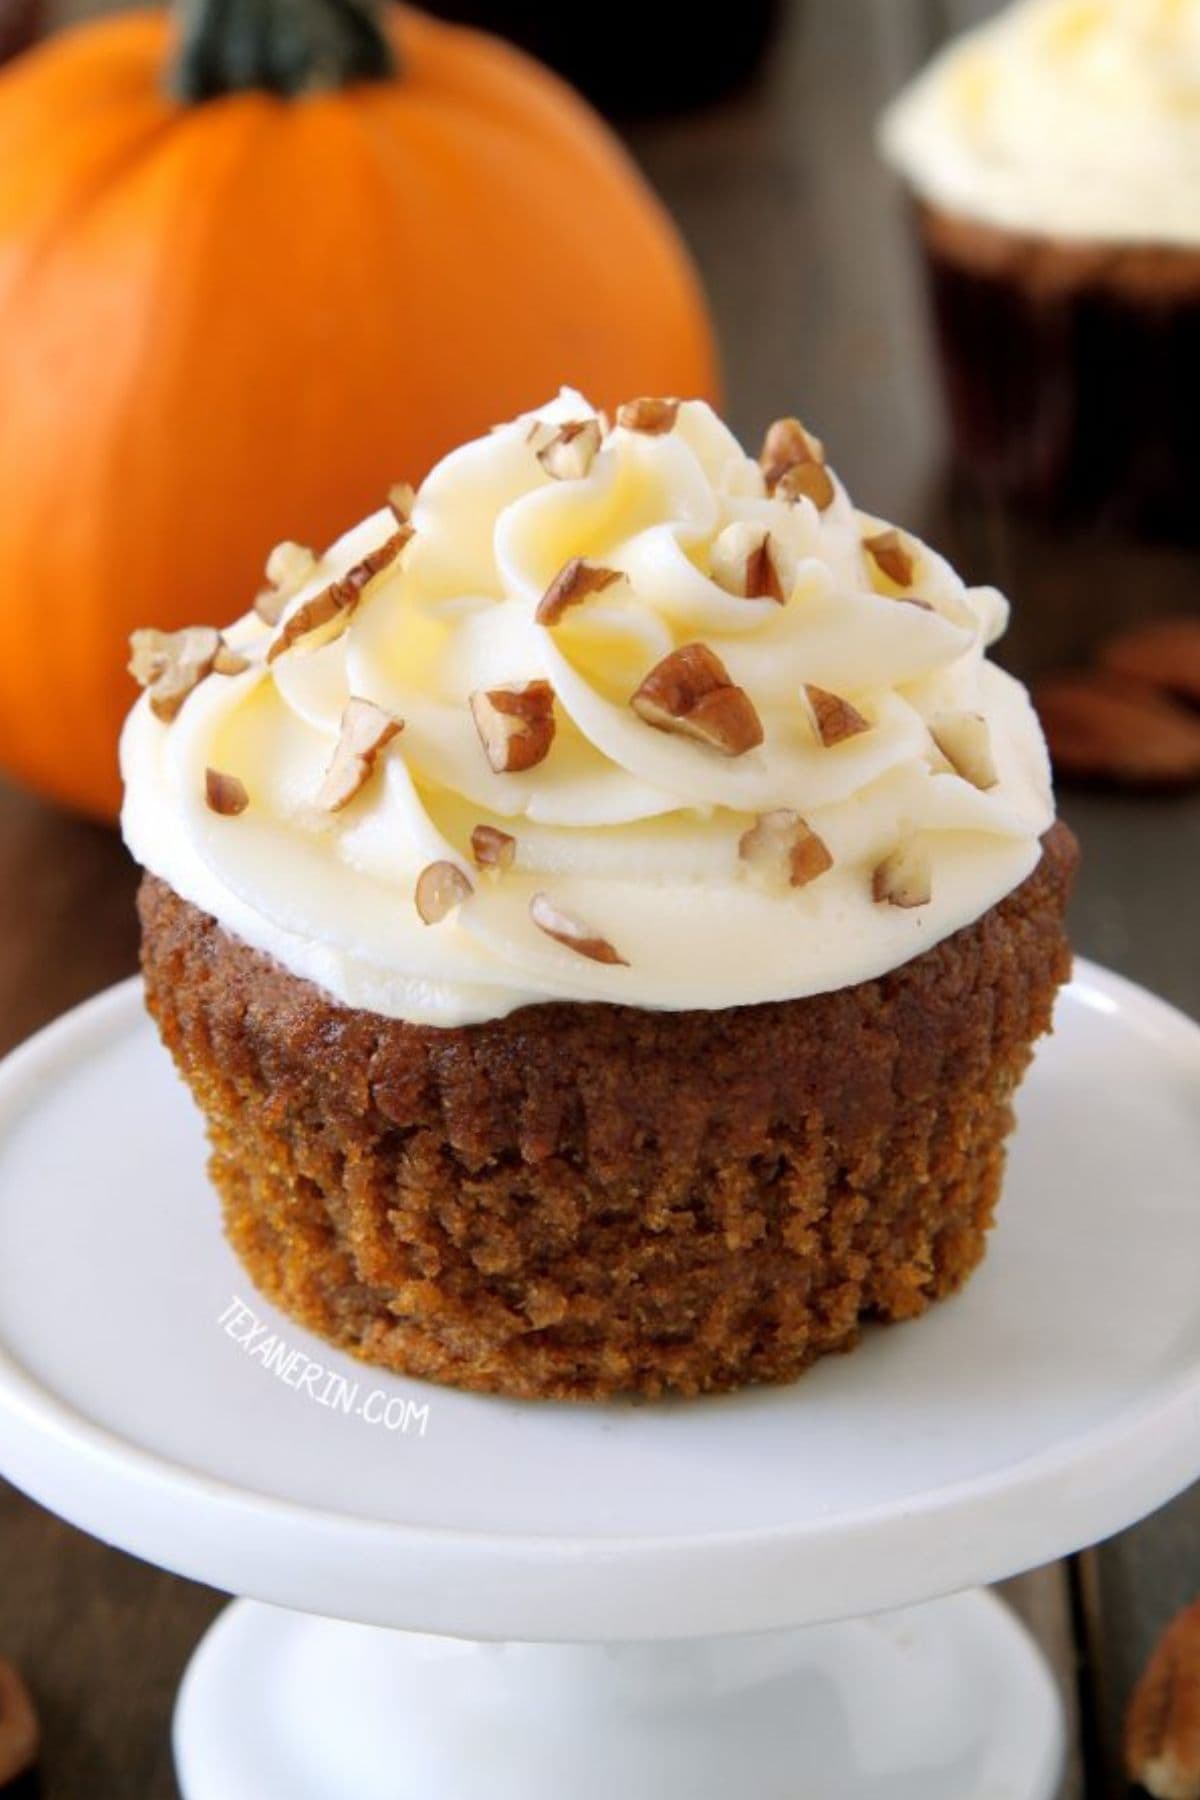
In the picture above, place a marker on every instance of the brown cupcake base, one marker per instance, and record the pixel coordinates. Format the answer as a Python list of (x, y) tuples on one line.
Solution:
[(1070, 371), (588, 1200)]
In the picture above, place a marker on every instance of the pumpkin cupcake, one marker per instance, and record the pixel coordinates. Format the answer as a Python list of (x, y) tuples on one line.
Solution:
[(603, 907), (1053, 157)]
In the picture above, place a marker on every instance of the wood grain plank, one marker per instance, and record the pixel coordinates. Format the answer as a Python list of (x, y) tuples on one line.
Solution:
[(67, 926), (103, 1641), (1042, 1599)]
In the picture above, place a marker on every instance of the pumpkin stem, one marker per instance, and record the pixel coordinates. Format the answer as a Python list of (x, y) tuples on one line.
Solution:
[(288, 47)]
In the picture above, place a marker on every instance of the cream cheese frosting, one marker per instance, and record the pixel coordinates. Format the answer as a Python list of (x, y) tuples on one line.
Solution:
[(645, 840), (1066, 118)]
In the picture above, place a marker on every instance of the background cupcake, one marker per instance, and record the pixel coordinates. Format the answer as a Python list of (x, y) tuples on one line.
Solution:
[(603, 907), (1054, 160)]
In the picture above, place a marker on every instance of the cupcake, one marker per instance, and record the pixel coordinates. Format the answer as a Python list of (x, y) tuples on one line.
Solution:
[(603, 907), (1053, 157)]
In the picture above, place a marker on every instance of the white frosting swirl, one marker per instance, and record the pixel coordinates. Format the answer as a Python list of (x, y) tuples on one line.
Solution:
[(632, 829), (1066, 118)]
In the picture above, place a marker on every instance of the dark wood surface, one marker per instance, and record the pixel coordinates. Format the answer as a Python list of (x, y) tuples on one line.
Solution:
[(802, 241)]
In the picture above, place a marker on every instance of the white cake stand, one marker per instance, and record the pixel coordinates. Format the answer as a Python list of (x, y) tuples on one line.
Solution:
[(608, 1598)]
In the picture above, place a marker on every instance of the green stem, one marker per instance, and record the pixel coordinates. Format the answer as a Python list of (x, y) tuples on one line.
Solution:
[(287, 47)]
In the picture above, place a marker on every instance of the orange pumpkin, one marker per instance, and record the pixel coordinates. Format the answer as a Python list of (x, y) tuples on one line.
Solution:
[(231, 320)]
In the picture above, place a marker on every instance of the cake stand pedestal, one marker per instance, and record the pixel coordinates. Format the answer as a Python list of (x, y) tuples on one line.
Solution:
[(457, 1598), (947, 1701)]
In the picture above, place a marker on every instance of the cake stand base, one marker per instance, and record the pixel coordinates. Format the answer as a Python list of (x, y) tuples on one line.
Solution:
[(1010, 1427), (946, 1701)]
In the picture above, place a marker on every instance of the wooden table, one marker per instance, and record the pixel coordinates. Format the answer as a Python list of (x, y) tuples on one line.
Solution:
[(803, 244)]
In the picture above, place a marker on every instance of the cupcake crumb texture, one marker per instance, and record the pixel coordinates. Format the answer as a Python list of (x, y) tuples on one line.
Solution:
[(579, 1201)]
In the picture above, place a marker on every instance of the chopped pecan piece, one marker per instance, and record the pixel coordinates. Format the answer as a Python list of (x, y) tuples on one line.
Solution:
[(793, 464), (228, 661), (288, 568), (891, 555), (171, 664), (224, 794), (573, 583), (492, 848), (566, 929), (905, 877), (440, 888), (570, 453), (363, 731), (690, 692), (965, 741), (402, 498), (515, 724), (781, 846), (337, 602), (746, 560), (833, 718), (806, 481), (654, 418), (786, 444)]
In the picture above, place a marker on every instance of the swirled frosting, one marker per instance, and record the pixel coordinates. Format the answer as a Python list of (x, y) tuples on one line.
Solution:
[(637, 832), (1068, 118)]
